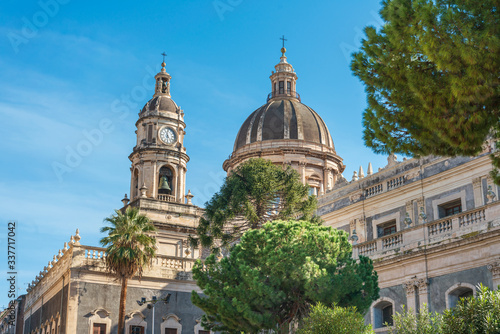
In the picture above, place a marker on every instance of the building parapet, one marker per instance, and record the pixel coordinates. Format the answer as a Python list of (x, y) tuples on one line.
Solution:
[(466, 224)]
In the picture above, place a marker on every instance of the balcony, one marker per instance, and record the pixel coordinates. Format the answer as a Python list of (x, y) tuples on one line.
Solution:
[(465, 224), (166, 198), (170, 267), (283, 94)]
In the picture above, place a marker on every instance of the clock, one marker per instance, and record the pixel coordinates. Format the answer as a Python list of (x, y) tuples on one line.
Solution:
[(168, 136)]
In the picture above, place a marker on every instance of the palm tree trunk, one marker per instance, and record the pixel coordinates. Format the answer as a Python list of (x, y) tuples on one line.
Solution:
[(121, 312)]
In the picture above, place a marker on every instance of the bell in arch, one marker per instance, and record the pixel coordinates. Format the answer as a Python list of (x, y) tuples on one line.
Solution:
[(164, 184)]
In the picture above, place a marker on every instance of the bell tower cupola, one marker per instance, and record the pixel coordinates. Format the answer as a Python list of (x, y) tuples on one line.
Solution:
[(162, 86), (159, 158)]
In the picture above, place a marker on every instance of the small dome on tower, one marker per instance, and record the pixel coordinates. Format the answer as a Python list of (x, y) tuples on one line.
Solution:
[(161, 101)]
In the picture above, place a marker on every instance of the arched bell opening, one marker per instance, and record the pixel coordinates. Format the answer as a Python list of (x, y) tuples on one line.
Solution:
[(165, 181), (135, 184)]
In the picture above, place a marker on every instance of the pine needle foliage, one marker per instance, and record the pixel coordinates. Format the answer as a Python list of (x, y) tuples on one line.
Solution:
[(256, 192), (272, 277), (431, 75)]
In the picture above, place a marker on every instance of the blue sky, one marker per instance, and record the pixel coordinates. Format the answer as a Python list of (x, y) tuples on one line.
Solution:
[(70, 68)]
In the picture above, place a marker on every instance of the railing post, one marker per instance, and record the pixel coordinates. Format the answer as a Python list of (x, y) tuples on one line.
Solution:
[(455, 225)]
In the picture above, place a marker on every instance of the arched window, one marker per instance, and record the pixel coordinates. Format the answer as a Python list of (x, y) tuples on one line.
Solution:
[(457, 292), (135, 184), (382, 311), (165, 184)]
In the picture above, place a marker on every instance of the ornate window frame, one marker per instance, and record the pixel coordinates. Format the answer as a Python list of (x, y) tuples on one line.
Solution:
[(198, 327), (97, 318), (385, 219), (135, 318), (171, 321)]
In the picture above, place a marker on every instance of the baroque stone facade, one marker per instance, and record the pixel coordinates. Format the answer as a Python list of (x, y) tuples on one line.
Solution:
[(431, 225)]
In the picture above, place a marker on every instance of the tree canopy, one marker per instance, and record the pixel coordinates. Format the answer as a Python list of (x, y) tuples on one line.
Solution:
[(431, 77), (275, 273), (256, 192), (130, 247), (334, 320)]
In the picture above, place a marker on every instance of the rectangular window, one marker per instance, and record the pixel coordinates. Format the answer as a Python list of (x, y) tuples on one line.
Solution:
[(274, 90), (282, 87), (150, 133), (386, 228), (450, 208), (136, 329), (99, 329), (288, 87), (170, 331)]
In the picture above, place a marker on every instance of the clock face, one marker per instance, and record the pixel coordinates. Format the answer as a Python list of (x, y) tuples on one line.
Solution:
[(168, 136)]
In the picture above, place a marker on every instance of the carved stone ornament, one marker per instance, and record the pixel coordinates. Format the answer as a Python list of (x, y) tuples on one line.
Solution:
[(495, 269), (476, 183), (422, 285), (355, 197), (412, 175), (409, 287)]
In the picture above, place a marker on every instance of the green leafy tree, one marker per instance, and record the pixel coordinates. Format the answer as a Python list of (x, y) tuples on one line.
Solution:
[(479, 315), (423, 322), (129, 248), (431, 77), (256, 192), (334, 320), (275, 273)]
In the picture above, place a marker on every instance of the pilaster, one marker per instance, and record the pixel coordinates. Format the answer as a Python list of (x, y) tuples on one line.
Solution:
[(495, 273), (409, 287), (423, 292), (478, 192)]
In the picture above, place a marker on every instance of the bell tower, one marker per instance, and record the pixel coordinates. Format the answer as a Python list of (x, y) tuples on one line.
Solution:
[(159, 158), (158, 173)]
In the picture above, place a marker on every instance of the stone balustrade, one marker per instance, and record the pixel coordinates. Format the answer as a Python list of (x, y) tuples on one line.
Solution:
[(96, 255), (464, 224)]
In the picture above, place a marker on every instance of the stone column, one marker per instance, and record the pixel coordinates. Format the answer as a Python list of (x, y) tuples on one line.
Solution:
[(495, 273), (423, 292), (325, 180), (302, 171), (410, 295), (478, 192)]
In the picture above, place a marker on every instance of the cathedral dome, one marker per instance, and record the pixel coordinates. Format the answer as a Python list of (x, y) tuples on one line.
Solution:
[(287, 132), (283, 118)]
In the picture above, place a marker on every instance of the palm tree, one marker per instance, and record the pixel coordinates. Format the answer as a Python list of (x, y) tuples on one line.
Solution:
[(129, 248)]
